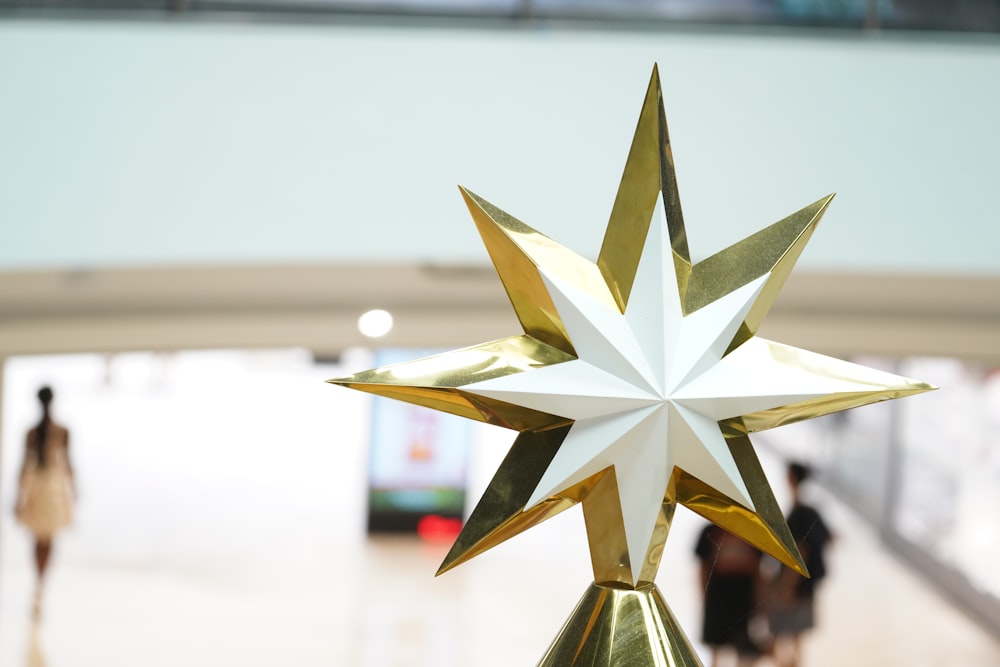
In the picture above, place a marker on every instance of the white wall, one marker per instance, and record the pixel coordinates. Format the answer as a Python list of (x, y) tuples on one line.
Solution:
[(177, 143)]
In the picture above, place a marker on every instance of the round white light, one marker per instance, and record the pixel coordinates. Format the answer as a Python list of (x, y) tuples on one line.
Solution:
[(375, 323)]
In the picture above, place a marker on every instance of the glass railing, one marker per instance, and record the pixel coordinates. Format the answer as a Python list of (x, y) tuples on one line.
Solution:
[(981, 16)]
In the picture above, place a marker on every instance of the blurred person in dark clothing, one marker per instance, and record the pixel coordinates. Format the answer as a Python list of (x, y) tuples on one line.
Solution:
[(792, 597), (730, 576)]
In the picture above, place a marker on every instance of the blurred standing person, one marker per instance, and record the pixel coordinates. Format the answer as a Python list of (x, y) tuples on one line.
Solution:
[(730, 575), (793, 596), (46, 488)]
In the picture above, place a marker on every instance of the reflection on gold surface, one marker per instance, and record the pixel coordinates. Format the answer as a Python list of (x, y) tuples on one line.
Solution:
[(621, 626)]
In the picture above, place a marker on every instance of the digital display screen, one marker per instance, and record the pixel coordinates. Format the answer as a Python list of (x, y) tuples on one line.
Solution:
[(418, 461)]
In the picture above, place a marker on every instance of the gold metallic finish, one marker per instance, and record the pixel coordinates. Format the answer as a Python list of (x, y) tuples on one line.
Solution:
[(773, 250), (764, 527), (621, 626), (466, 366), (603, 516), (649, 172), (606, 537), (649, 160), (434, 381), (622, 619), (880, 386), (500, 513), (518, 252)]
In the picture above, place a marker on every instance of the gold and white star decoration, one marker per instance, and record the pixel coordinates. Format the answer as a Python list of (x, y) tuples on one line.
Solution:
[(638, 378)]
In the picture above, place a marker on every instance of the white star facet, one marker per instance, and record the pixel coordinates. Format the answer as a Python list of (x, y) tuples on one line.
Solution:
[(642, 393)]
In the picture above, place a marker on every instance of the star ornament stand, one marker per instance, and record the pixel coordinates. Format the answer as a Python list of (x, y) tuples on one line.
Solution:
[(633, 390)]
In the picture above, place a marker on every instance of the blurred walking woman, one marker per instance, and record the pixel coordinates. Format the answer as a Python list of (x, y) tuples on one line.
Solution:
[(46, 488)]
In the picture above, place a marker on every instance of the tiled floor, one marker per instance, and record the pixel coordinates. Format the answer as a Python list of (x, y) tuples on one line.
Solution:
[(373, 603)]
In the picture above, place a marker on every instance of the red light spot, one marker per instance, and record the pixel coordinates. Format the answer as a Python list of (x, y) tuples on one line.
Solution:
[(435, 528)]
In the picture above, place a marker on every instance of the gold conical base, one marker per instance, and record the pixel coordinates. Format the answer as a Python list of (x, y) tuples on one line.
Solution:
[(618, 626)]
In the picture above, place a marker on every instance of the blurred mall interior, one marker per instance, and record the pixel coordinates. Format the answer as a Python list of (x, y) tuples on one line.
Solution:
[(199, 199)]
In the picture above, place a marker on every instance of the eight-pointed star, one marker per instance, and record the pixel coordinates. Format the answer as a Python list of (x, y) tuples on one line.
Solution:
[(638, 377)]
